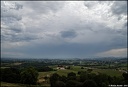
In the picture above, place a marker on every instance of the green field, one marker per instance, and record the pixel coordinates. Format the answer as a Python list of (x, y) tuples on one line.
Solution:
[(6, 84), (42, 74), (75, 69), (110, 72), (3, 84)]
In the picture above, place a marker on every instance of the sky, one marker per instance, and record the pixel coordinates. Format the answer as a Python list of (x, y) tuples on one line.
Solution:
[(63, 29)]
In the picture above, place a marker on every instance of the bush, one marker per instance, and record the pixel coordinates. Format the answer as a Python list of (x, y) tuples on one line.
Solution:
[(29, 76), (71, 76), (73, 83), (53, 79), (11, 75), (89, 83), (60, 84)]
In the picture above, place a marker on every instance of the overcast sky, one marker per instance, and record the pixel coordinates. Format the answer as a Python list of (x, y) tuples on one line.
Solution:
[(63, 29)]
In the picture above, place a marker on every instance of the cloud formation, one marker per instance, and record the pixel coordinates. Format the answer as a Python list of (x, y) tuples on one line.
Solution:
[(63, 29), (68, 34), (119, 8), (114, 52)]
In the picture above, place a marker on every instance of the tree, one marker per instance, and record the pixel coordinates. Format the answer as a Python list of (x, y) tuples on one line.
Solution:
[(11, 75), (89, 83), (83, 76), (63, 78), (125, 76), (29, 76), (82, 67), (89, 70), (46, 79), (73, 83), (79, 72), (101, 79), (71, 76), (53, 79), (44, 69), (91, 75), (68, 67), (60, 84)]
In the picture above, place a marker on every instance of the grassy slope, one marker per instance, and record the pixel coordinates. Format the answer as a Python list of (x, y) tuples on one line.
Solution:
[(11, 84), (6, 84), (110, 72), (75, 69)]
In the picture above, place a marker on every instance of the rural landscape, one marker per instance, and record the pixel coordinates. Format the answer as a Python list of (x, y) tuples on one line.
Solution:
[(46, 43), (64, 73)]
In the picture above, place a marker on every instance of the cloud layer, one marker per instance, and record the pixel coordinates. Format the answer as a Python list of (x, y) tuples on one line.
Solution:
[(63, 29)]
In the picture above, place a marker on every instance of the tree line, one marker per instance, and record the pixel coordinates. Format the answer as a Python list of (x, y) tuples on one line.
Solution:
[(81, 79), (14, 75), (87, 79)]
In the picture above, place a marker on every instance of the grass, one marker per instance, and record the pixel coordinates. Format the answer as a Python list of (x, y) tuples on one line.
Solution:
[(75, 69), (60, 72), (4, 67), (6, 84), (111, 72), (3, 84), (42, 74), (53, 66), (65, 72), (124, 68)]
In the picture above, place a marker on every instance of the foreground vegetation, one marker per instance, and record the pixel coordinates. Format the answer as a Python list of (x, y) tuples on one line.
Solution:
[(11, 84), (82, 78), (60, 73)]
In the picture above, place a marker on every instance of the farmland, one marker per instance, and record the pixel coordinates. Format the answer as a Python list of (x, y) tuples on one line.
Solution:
[(75, 69), (5, 84), (47, 68)]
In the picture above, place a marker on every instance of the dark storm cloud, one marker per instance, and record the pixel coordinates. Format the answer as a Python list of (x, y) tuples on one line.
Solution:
[(10, 19), (12, 27), (90, 4), (9, 11), (7, 17), (54, 29), (70, 49), (18, 6), (119, 7), (44, 6), (12, 13), (68, 34), (67, 50), (18, 37)]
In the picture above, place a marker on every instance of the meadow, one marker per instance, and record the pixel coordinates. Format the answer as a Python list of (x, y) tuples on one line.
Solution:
[(74, 67), (6, 84)]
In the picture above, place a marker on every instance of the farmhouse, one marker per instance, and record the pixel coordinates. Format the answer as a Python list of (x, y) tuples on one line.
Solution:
[(61, 67)]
